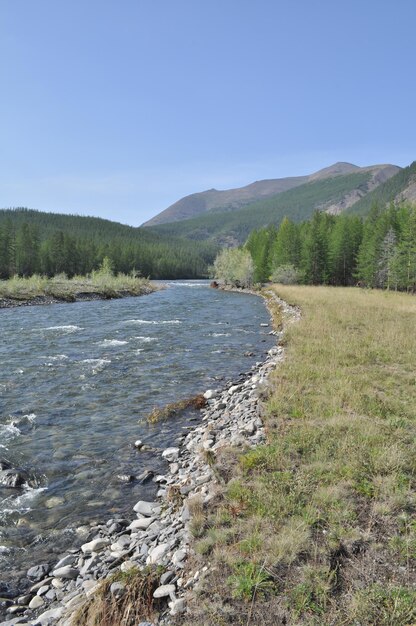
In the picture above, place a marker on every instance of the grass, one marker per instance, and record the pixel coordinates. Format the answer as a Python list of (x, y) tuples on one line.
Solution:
[(135, 605), (60, 287), (325, 511)]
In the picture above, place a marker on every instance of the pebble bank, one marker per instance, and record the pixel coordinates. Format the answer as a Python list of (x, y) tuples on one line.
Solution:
[(157, 532)]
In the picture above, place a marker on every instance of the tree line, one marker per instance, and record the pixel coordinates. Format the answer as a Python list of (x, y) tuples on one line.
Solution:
[(378, 251), (33, 242)]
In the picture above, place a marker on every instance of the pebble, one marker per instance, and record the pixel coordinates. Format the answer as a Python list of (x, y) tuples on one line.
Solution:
[(36, 602), (66, 572), (171, 454), (147, 508), (165, 590), (96, 545)]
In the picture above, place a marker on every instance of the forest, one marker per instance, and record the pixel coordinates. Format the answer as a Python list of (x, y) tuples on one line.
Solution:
[(376, 251), (34, 242)]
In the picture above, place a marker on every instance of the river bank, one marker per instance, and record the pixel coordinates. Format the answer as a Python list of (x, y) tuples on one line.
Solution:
[(162, 533), (8, 303), (100, 285)]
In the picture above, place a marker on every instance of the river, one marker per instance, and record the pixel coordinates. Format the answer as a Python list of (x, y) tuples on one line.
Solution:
[(77, 382)]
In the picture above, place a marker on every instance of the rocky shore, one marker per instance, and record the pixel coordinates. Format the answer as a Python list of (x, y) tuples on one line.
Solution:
[(158, 533)]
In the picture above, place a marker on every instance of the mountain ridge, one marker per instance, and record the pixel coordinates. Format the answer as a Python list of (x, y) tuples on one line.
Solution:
[(214, 200)]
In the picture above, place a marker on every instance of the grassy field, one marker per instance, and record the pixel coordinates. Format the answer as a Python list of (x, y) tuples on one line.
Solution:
[(318, 526), (101, 283)]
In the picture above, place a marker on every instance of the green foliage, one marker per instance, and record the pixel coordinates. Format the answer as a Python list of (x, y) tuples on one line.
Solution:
[(249, 579), (341, 250), (234, 267), (48, 243), (286, 274)]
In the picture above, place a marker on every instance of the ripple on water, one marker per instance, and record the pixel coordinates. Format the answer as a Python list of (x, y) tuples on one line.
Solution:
[(145, 339), (96, 365), (154, 322), (112, 343), (66, 329)]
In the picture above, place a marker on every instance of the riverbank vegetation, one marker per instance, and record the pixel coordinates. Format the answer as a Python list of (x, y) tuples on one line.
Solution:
[(102, 283), (318, 525)]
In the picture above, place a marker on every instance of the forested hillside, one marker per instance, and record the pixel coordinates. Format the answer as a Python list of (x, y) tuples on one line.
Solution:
[(379, 251), (49, 243), (233, 227), (389, 191)]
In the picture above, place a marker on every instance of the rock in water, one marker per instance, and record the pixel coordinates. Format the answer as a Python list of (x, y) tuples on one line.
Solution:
[(12, 478)]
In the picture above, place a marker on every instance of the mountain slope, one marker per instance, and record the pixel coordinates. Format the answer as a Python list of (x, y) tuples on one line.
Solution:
[(232, 227), (401, 186), (234, 199)]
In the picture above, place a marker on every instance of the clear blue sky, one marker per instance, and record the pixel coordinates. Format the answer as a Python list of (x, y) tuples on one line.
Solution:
[(117, 108)]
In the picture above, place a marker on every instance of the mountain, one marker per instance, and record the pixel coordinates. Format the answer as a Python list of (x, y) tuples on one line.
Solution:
[(397, 188), (233, 199), (333, 190)]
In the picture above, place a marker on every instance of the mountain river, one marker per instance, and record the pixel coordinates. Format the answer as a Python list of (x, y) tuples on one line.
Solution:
[(76, 384)]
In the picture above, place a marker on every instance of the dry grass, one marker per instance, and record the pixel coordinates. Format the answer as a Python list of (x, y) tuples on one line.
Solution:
[(63, 288), (173, 408), (135, 605), (327, 508)]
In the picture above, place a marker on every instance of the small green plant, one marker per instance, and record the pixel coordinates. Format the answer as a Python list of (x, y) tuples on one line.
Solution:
[(394, 606), (249, 579)]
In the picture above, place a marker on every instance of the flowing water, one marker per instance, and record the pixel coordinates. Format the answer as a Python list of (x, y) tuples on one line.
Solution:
[(76, 384)]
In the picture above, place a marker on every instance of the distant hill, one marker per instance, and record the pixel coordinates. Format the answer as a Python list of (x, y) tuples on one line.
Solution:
[(49, 243), (333, 193), (400, 187), (228, 200)]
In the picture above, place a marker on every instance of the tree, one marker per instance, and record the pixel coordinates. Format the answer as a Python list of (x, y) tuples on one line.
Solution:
[(234, 267)]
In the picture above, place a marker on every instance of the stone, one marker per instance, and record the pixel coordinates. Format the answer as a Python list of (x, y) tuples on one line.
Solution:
[(141, 524), (210, 394), (24, 600), (165, 590), (50, 617), (51, 595), (37, 572), (147, 509), (66, 560), (178, 557), (167, 577), (127, 566), (12, 478), (96, 545), (126, 478), (42, 590), (36, 602), (89, 564), (67, 572), (171, 454), (177, 606), (156, 554), (117, 589), (138, 444), (233, 389)]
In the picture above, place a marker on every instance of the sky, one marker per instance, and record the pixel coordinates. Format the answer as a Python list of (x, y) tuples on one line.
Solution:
[(118, 108)]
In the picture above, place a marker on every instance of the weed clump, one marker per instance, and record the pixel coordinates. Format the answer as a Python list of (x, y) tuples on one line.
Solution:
[(174, 408), (134, 605)]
